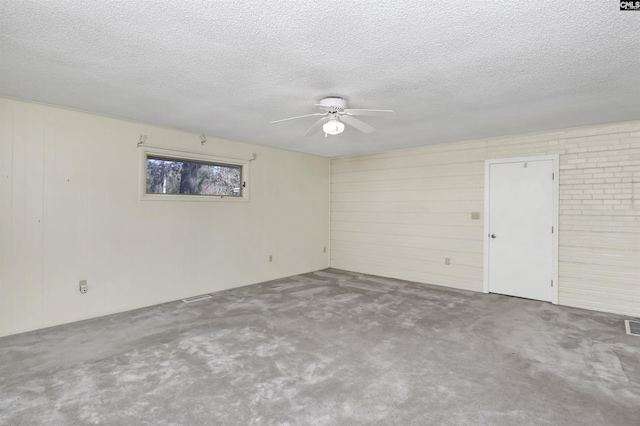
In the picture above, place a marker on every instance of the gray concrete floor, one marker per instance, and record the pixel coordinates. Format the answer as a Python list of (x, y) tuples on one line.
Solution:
[(328, 348)]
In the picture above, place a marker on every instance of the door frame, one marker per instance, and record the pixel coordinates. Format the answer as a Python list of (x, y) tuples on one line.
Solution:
[(556, 191)]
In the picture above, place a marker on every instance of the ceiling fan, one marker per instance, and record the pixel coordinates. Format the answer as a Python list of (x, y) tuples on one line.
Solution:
[(335, 115)]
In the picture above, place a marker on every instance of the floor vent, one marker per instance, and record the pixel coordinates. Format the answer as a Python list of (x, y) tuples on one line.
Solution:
[(633, 327), (196, 298)]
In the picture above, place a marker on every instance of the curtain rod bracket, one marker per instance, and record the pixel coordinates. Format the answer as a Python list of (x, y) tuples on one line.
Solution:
[(143, 139)]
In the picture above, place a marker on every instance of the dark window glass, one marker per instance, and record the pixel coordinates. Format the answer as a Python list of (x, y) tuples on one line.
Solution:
[(179, 176)]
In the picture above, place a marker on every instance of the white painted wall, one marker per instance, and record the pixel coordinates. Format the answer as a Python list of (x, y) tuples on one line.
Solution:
[(70, 210), (399, 214)]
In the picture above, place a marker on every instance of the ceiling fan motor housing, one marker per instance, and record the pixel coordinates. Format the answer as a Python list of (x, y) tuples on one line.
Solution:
[(332, 105)]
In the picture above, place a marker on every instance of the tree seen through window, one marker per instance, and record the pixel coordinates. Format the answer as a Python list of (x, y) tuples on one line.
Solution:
[(179, 176)]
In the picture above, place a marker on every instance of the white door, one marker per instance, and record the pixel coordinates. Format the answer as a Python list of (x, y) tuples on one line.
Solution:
[(520, 237)]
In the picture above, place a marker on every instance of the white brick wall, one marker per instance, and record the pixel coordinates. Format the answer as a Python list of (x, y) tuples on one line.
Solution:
[(400, 213)]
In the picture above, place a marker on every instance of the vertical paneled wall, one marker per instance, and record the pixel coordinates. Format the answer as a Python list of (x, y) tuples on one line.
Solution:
[(401, 213), (70, 209)]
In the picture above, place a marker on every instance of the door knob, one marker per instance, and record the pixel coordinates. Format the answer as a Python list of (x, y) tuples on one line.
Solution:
[(493, 235)]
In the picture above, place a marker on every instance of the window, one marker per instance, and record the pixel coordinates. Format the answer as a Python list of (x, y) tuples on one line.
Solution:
[(180, 176), (185, 176)]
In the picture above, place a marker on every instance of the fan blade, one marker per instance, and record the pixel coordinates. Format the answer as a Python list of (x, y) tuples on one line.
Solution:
[(313, 129), (368, 111), (359, 125), (300, 116)]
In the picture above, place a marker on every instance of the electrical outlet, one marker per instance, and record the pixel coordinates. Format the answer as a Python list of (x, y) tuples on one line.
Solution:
[(83, 286), (270, 258), (475, 215), (447, 261)]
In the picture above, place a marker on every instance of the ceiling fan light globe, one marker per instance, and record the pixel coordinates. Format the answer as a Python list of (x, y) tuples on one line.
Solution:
[(333, 127)]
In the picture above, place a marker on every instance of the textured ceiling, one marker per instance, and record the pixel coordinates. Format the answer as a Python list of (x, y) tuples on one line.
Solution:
[(451, 70)]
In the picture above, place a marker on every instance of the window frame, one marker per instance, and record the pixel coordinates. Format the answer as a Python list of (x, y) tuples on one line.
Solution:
[(172, 154)]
